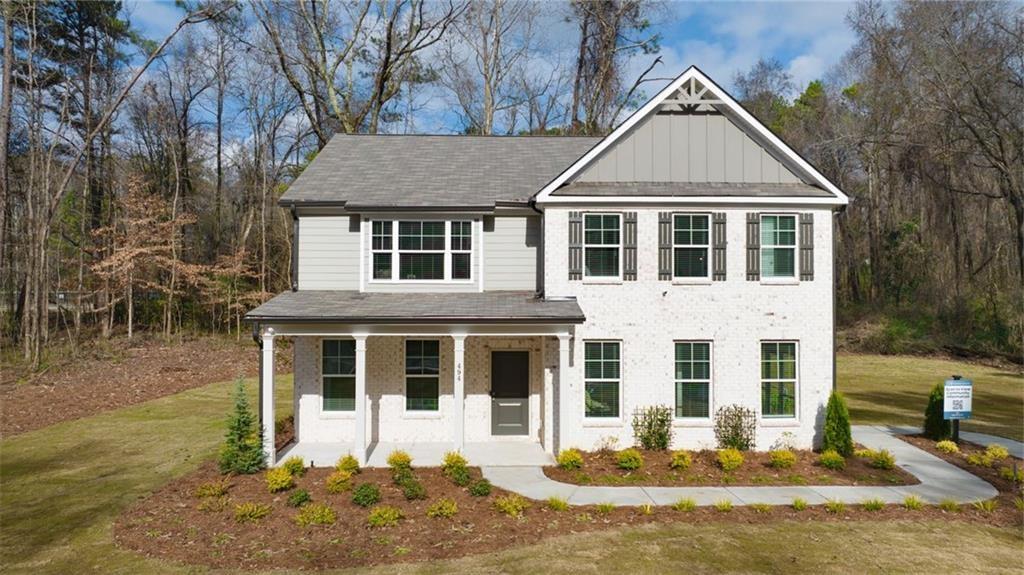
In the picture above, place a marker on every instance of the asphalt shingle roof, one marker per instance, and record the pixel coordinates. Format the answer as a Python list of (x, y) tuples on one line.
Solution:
[(476, 307)]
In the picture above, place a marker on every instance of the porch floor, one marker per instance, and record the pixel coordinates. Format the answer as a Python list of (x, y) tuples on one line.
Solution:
[(426, 454)]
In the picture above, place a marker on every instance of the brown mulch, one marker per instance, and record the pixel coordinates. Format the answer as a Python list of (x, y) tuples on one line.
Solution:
[(600, 468), (990, 474), (118, 374), (169, 525)]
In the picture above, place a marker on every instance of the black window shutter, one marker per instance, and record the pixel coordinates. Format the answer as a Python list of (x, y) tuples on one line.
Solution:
[(753, 246), (629, 246), (806, 247), (664, 245), (718, 243), (575, 245)]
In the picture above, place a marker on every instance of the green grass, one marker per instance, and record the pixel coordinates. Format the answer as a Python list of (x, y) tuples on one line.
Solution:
[(893, 390)]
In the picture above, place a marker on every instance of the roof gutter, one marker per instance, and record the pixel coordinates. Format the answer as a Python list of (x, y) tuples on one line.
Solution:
[(257, 320)]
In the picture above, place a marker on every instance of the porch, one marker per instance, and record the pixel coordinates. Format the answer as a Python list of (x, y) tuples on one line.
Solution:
[(424, 454)]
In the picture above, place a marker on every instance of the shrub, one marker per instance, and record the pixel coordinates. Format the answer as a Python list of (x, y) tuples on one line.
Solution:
[(338, 482), (413, 490), (459, 475), (646, 509), (724, 505), (251, 512), (883, 460), (242, 451), (864, 453), (399, 459), (384, 516), (799, 504), (949, 505), (781, 459), (760, 507), (873, 505), (557, 504), (913, 503), (935, 426), (213, 504), (298, 498), (453, 460), (480, 488), (315, 514), (348, 463), (685, 505), (295, 466), (837, 434), (512, 505), (980, 459), (1019, 503), (947, 446), (987, 506), (604, 508), (279, 479), (443, 509), (735, 426), (366, 494), (729, 459), (1011, 474), (570, 458), (681, 460), (834, 506), (212, 489), (402, 475), (996, 452), (652, 427), (832, 460), (629, 459)]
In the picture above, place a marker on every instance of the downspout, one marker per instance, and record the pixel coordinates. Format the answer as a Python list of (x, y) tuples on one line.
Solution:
[(295, 250), (835, 298)]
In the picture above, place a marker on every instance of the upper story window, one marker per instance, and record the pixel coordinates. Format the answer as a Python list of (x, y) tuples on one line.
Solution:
[(778, 246), (431, 250), (602, 245), (690, 245)]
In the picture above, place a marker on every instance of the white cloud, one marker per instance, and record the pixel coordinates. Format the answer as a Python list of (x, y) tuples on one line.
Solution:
[(155, 19)]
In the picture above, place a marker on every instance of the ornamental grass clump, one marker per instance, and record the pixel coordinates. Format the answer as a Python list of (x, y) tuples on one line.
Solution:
[(384, 516), (338, 482), (279, 479), (837, 433), (1014, 474), (480, 488), (799, 504), (570, 458), (949, 506), (947, 446), (604, 508), (735, 427), (242, 452), (629, 459), (832, 460), (685, 505), (251, 512), (873, 505), (557, 504), (986, 506), (315, 514), (512, 505), (913, 503), (348, 463), (729, 459), (295, 465), (652, 427), (835, 507), (443, 509), (681, 460), (781, 459), (760, 507), (724, 505), (366, 494)]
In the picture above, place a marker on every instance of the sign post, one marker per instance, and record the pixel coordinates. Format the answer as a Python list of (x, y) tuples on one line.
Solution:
[(956, 402)]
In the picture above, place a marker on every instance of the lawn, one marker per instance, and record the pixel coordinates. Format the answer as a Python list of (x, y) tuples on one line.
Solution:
[(894, 389)]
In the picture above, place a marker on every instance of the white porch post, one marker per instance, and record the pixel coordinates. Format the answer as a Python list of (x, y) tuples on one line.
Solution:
[(565, 396), (549, 399), (459, 391), (267, 396), (359, 451)]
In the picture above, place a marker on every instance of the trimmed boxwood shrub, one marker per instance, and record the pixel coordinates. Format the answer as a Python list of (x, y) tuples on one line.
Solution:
[(831, 459), (279, 479), (681, 460), (366, 494), (729, 459), (512, 505), (348, 463), (935, 426), (315, 514), (298, 498), (570, 458), (399, 459), (338, 482), (629, 459), (414, 490), (947, 446), (837, 434), (480, 488), (781, 459), (295, 466)]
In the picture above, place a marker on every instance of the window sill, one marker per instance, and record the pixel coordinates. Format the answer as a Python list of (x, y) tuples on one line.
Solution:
[(598, 281), (780, 422), (691, 282), (421, 415), (602, 422), (470, 281), (337, 414), (692, 422), (780, 282)]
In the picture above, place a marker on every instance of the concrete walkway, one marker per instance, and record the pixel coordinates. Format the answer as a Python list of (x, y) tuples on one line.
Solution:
[(1015, 448), (939, 480)]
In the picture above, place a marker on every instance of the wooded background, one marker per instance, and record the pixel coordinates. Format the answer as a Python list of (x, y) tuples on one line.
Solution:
[(140, 180)]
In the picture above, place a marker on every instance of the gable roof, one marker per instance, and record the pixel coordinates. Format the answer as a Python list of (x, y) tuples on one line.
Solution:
[(691, 92), (366, 172)]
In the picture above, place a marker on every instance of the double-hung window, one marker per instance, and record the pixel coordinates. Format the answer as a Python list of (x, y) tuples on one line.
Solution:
[(693, 379), (602, 374), (462, 250), (778, 379), (381, 244), (422, 372), (690, 245), (421, 250), (338, 369), (430, 250), (602, 245), (778, 246)]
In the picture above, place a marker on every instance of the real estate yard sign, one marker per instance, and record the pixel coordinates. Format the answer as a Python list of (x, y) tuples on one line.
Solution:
[(956, 399)]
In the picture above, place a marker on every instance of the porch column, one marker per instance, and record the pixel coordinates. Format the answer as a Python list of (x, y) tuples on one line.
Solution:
[(267, 396), (459, 391), (565, 396), (359, 450)]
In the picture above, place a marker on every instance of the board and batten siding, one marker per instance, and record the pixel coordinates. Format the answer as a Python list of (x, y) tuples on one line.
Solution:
[(512, 253), (688, 148), (328, 253)]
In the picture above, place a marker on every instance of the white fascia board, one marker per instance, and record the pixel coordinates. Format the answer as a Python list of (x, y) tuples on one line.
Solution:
[(544, 196)]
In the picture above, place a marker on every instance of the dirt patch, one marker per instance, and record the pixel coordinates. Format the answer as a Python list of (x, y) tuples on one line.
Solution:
[(991, 474), (601, 468), (119, 374), (170, 526)]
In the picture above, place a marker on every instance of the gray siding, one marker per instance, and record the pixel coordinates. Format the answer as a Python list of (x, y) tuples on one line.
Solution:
[(328, 253), (512, 253), (688, 148)]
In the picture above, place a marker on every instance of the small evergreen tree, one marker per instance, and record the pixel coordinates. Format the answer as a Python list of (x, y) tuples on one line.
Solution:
[(935, 427), (243, 444), (837, 434)]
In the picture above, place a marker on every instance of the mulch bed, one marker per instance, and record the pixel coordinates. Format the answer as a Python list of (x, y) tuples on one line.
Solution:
[(169, 525), (600, 468), (1007, 488)]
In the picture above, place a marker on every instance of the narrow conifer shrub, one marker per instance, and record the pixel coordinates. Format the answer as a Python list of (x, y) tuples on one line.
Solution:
[(935, 427), (242, 452), (837, 433)]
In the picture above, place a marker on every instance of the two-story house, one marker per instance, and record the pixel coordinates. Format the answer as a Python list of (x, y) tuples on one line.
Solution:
[(512, 296)]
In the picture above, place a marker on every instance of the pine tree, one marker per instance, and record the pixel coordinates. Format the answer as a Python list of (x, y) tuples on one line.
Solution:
[(837, 426), (243, 444), (935, 426)]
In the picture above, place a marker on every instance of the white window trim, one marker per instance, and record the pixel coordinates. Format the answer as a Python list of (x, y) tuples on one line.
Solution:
[(602, 279), (692, 279), (328, 413), (781, 280), (420, 413), (709, 381), (447, 252), (784, 420), (594, 421)]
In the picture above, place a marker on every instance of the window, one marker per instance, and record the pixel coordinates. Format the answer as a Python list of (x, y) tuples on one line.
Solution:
[(424, 250), (602, 244), (690, 241), (693, 379), (338, 368), (778, 379), (778, 246), (422, 365), (601, 367)]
